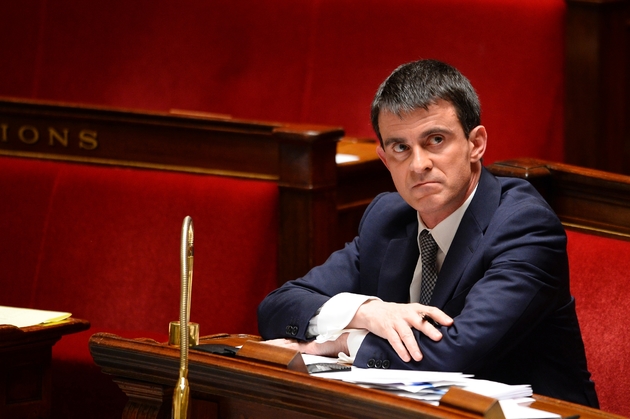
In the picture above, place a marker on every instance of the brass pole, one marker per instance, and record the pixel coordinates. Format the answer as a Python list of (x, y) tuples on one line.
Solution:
[(181, 394)]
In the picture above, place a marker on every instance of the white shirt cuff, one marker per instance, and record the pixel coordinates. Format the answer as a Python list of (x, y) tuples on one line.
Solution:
[(355, 339), (335, 315)]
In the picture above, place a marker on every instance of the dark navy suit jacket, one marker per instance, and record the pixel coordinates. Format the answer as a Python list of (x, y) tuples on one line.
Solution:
[(505, 282)]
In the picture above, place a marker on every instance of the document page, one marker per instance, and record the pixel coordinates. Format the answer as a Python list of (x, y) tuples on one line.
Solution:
[(24, 317)]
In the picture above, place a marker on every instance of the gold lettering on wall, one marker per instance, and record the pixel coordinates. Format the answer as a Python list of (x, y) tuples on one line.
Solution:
[(26, 138), (87, 139), (53, 135), (29, 134)]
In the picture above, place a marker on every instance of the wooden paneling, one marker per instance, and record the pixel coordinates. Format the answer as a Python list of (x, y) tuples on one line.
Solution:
[(585, 199), (597, 84), (25, 367)]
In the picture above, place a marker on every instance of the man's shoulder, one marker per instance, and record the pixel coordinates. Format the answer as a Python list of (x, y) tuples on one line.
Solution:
[(519, 198), (388, 202), (500, 198), (389, 210), (519, 189)]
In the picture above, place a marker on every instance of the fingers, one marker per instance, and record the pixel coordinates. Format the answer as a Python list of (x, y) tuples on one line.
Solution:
[(328, 348), (437, 315), (429, 327), (411, 344), (395, 322), (429, 320), (403, 341)]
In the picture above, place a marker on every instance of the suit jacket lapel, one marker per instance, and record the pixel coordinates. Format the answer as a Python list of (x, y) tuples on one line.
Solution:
[(398, 266), (470, 232)]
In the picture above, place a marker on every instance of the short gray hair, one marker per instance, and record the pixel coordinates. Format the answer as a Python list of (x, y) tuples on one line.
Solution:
[(422, 83)]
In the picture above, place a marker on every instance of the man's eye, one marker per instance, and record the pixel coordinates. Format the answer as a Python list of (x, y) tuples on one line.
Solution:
[(399, 148), (437, 139)]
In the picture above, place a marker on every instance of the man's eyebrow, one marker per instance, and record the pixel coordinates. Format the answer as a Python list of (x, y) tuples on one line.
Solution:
[(436, 130), (423, 134), (392, 140)]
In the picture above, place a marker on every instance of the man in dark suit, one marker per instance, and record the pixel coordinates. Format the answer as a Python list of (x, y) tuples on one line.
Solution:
[(490, 294)]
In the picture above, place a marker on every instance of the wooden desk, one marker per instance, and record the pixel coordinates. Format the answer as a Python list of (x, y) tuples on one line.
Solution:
[(25, 359), (224, 387)]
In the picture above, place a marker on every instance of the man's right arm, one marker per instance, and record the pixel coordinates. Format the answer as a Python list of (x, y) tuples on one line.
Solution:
[(286, 312), (291, 307)]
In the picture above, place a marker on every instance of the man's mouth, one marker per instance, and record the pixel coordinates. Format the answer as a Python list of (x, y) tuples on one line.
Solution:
[(424, 183)]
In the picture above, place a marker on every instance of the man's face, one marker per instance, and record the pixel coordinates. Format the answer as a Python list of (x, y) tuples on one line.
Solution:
[(433, 165)]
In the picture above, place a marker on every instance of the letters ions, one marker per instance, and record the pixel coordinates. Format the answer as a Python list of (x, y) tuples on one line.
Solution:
[(27, 134)]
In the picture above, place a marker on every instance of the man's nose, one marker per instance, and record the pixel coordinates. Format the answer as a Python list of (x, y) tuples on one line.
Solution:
[(420, 160)]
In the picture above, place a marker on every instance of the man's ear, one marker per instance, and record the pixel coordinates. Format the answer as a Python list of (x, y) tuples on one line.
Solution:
[(479, 138), (382, 156)]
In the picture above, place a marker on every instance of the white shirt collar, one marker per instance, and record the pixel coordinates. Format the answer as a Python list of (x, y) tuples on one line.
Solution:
[(444, 232)]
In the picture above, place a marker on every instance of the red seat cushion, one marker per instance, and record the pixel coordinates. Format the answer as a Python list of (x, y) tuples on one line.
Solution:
[(600, 278), (104, 244)]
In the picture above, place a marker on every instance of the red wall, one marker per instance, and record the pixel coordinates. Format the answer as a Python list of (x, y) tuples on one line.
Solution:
[(315, 61)]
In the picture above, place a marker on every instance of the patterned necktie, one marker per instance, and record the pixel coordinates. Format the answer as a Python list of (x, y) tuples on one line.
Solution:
[(429, 249)]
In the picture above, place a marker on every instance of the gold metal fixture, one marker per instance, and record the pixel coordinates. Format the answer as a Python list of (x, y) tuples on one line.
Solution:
[(188, 332)]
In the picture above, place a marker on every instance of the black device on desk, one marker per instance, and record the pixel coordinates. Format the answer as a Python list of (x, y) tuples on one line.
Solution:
[(326, 367), (215, 348), (227, 350)]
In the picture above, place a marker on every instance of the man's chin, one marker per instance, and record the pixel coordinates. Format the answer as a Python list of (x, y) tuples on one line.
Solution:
[(425, 203)]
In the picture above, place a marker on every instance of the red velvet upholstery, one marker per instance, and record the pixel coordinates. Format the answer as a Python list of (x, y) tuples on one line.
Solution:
[(600, 275), (103, 243), (312, 61)]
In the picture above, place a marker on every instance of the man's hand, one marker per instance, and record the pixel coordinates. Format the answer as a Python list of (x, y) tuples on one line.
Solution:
[(330, 348), (394, 322)]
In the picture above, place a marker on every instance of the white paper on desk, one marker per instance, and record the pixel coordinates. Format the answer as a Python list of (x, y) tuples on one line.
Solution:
[(419, 384), (394, 377), (24, 317), (345, 158), (315, 359), (512, 409), (433, 387), (427, 397), (497, 390), (430, 386)]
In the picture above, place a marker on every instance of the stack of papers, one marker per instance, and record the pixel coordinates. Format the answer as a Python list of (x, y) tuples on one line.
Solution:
[(426, 385), (430, 386), (24, 317)]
